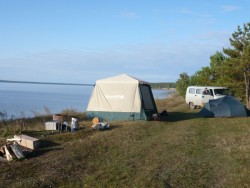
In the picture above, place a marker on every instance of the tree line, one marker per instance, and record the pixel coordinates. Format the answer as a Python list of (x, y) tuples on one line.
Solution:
[(229, 67), (163, 85)]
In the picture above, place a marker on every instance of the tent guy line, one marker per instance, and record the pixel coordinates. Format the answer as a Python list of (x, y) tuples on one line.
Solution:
[(46, 83)]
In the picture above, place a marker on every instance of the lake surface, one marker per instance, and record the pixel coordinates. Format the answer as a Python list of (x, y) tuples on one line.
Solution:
[(28, 100)]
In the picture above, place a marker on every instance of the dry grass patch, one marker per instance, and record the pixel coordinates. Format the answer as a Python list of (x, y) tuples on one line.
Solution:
[(184, 151)]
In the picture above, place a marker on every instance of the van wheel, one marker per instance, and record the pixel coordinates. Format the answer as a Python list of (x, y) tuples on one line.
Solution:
[(191, 105)]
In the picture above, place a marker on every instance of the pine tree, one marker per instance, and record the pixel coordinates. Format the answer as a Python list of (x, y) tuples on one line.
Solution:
[(238, 62)]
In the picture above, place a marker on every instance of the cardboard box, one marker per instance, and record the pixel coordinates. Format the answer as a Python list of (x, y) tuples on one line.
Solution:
[(28, 141)]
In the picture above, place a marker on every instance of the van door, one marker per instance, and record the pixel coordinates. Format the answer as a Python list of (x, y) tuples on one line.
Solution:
[(207, 95), (197, 98)]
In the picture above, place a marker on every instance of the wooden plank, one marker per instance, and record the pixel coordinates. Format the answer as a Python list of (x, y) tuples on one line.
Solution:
[(17, 151)]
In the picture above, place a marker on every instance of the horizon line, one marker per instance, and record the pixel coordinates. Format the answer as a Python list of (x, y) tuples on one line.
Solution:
[(45, 83)]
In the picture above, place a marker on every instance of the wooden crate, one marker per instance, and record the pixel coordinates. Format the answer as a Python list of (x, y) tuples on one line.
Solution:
[(28, 141)]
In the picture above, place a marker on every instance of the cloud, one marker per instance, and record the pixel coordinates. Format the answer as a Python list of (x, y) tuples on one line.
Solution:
[(152, 62), (192, 17), (219, 37), (187, 11), (230, 8)]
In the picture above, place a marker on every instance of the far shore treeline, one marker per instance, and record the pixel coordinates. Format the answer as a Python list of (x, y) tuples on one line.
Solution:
[(229, 67), (163, 85)]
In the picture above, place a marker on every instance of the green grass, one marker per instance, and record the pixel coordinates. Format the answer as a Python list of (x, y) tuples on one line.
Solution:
[(183, 151)]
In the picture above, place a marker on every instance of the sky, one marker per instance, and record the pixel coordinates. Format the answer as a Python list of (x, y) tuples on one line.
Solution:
[(81, 41)]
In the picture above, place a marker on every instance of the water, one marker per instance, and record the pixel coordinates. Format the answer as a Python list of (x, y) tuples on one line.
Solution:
[(28, 100), (162, 93)]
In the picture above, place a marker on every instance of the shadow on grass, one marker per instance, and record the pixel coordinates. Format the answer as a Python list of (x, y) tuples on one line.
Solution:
[(110, 128), (180, 116), (45, 146), (47, 143), (39, 152)]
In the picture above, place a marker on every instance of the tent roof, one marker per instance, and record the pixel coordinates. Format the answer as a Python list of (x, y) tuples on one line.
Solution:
[(123, 78), (226, 106)]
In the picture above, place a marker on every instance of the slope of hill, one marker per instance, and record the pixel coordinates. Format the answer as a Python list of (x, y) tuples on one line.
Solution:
[(183, 151)]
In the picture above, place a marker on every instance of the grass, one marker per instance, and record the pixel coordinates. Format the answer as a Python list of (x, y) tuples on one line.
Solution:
[(183, 151)]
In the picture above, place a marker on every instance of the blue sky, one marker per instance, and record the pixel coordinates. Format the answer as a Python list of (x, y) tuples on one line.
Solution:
[(80, 41)]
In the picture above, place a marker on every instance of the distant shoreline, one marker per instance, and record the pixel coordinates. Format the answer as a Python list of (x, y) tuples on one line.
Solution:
[(38, 102)]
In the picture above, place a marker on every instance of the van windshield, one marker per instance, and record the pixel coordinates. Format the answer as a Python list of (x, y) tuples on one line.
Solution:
[(221, 92)]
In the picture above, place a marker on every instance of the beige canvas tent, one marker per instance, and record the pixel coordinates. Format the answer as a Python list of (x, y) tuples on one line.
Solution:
[(121, 97)]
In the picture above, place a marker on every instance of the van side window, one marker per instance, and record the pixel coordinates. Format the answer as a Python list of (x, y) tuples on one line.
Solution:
[(192, 90), (207, 92), (198, 91)]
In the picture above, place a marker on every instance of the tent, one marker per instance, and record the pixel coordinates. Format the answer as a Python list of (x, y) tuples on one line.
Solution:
[(121, 97), (226, 106)]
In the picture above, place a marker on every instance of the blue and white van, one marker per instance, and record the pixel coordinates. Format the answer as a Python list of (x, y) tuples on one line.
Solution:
[(197, 96)]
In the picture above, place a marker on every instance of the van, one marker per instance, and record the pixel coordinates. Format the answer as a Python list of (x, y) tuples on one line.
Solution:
[(197, 96)]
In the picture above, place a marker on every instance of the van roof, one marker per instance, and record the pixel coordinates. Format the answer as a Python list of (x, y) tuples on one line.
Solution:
[(209, 87)]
